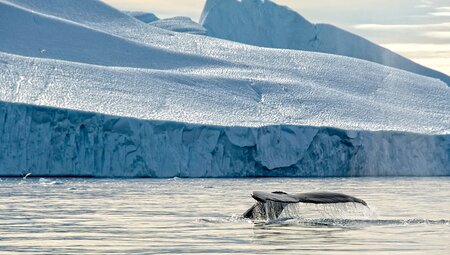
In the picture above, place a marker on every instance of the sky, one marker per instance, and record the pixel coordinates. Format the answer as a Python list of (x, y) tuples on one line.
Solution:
[(417, 29)]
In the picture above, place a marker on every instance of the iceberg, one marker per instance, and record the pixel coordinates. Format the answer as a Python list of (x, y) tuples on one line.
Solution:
[(267, 24), (99, 93), (180, 24), (176, 24), (144, 16)]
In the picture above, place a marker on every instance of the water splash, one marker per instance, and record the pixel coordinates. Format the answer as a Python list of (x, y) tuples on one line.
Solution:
[(330, 211), (46, 182), (235, 218), (344, 215), (351, 223)]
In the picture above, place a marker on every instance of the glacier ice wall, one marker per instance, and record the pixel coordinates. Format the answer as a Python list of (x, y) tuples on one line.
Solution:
[(58, 142)]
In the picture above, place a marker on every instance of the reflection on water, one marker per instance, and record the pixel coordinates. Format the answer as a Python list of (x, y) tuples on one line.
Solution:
[(73, 216)]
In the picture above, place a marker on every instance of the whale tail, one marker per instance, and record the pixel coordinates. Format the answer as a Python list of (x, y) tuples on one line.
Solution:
[(271, 205)]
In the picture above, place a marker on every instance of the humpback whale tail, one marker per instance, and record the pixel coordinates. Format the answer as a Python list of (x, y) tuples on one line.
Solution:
[(271, 205)]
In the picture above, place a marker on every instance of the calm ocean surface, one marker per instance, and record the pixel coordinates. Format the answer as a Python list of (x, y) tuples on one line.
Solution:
[(201, 216)]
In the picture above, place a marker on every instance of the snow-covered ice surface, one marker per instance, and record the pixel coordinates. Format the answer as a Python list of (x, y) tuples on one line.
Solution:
[(88, 90), (33, 34), (264, 23)]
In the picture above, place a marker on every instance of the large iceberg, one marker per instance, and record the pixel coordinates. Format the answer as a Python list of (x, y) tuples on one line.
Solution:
[(99, 93), (264, 23)]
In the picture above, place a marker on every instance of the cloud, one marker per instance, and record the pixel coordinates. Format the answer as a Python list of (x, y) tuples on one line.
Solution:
[(380, 27), (431, 55), (440, 14), (438, 34), (419, 47), (443, 8), (422, 6)]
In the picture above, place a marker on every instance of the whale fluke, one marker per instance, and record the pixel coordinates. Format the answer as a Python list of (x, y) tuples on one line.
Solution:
[(276, 201), (311, 197)]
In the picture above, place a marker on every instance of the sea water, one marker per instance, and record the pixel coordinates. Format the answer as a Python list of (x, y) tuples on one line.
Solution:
[(192, 216)]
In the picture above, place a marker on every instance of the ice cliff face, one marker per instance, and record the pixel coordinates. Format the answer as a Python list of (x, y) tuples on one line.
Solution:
[(57, 142), (88, 90), (264, 23)]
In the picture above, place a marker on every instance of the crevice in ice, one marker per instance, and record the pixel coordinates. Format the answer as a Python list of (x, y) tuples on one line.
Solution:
[(315, 41)]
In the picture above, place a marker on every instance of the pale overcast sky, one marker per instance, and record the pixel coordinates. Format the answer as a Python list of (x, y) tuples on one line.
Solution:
[(418, 29)]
